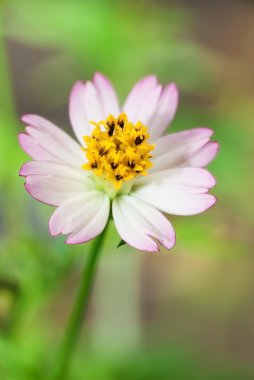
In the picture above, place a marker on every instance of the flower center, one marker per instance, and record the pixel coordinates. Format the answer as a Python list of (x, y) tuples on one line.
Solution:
[(118, 150)]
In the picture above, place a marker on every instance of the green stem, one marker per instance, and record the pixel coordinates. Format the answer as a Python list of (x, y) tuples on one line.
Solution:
[(79, 310)]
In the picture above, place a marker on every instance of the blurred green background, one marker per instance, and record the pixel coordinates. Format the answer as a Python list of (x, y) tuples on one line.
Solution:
[(183, 315)]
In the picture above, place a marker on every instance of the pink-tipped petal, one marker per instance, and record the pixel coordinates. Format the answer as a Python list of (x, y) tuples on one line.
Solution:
[(77, 111), (52, 192), (139, 224), (53, 170), (49, 196), (43, 125), (139, 97), (204, 155), (177, 149), (91, 102), (189, 176), (88, 222), (146, 111), (83, 217), (178, 139), (107, 95), (34, 150), (166, 109), (68, 212), (44, 141), (53, 183), (182, 191)]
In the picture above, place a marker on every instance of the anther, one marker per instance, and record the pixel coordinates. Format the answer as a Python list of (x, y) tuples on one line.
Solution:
[(139, 140), (131, 164), (102, 151), (111, 126), (120, 123), (113, 165), (119, 177)]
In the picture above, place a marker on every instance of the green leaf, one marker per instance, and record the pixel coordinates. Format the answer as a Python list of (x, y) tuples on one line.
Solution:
[(122, 242)]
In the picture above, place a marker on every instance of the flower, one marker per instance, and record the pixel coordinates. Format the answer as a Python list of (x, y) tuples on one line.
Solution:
[(121, 162)]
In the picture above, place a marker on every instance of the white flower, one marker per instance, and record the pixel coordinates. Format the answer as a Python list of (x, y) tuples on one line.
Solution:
[(123, 163)]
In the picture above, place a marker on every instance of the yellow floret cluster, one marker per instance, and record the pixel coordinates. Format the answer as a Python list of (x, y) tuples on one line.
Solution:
[(118, 150)]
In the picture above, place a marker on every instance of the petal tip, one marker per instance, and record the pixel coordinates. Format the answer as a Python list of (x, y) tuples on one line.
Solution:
[(169, 244), (149, 78), (21, 138), (99, 75), (26, 117), (211, 202), (51, 228), (150, 250), (77, 86), (72, 241), (22, 170), (174, 87), (30, 118), (216, 147)]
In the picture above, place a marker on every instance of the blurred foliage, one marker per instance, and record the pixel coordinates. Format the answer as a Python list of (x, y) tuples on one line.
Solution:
[(111, 36), (203, 292)]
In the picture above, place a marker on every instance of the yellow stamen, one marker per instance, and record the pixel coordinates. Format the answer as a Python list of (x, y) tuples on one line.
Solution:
[(118, 150)]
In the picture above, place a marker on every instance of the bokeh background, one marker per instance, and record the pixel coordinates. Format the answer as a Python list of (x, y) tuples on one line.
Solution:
[(183, 315)]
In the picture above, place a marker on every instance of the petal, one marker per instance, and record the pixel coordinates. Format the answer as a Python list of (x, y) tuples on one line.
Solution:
[(107, 95), (91, 102), (194, 177), (166, 109), (34, 150), (84, 106), (179, 191), (67, 212), (138, 224), (178, 148), (147, 110), (83, 216), (52, 170), (93, 105), (84, 221), (45, 141), (142, 94), (178, 139), (204, 155), (53, 183), (53, 197)]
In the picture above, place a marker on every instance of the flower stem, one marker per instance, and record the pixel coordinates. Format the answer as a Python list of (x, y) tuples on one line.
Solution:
[(79, 310)]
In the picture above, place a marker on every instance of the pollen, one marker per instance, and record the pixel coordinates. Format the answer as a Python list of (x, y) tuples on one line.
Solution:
[(118, 150)]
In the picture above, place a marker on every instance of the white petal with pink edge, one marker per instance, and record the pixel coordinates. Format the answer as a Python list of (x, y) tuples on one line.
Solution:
[(179, 148), (140, 96), (139, 224), (53, 183), (195, 177), (107, 95), (166, 109), (82, 217), (179, 191), (147, 110), (53, 170), (44, 141), (204, 155), (91, 101), (84, 102)]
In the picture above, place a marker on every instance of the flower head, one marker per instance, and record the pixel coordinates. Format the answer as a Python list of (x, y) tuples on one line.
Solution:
[(119, 152), (123, 161)]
